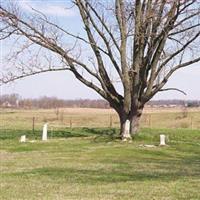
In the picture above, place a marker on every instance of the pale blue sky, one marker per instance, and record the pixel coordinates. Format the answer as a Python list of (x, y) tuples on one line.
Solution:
[(64, 85)]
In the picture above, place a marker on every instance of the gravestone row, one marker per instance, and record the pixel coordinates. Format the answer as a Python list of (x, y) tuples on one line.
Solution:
[(45, 130), (44, 134)]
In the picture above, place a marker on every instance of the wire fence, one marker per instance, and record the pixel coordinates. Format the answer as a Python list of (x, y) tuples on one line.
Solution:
[(33, 120)]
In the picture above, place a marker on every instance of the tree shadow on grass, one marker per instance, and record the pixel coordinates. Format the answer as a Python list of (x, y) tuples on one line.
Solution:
[(103, 135), (100, 134)]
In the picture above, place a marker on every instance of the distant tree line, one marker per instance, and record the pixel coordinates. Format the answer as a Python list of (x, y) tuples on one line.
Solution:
[(175, 102), (14, 100), (9, 98)]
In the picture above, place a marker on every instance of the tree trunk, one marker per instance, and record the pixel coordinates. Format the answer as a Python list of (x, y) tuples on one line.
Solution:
[(129, 123), (135, 121)]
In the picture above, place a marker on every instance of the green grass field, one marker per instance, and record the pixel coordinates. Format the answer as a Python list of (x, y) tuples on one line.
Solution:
[(93, 164)]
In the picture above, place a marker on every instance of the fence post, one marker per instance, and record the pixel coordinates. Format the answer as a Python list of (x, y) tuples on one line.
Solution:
[(33, 125), (150, 122), (111, 121), (70, 123), (191, 122)]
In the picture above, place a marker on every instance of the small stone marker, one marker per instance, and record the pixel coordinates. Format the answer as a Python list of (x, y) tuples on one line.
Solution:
[(44, 133), (162, 140), (147, 145), (23, 138)]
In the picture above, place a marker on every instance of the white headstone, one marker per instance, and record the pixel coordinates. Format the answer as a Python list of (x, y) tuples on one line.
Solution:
[(162, 140), (23, 138), (127, 130), (44, 133)]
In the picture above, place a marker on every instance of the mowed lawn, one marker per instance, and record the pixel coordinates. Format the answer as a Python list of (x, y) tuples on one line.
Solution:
[(93, 164)]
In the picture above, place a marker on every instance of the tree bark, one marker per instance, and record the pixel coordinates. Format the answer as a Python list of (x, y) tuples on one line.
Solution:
[(135, 121), (129, 123)]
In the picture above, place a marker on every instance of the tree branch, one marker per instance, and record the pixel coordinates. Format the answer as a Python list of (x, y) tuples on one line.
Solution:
[(12, 77), (175, 89)]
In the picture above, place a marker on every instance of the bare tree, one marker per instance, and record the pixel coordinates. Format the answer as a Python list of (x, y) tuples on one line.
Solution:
[(137, 44)]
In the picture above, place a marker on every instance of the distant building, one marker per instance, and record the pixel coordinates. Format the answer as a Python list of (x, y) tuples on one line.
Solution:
[(6, 104)]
